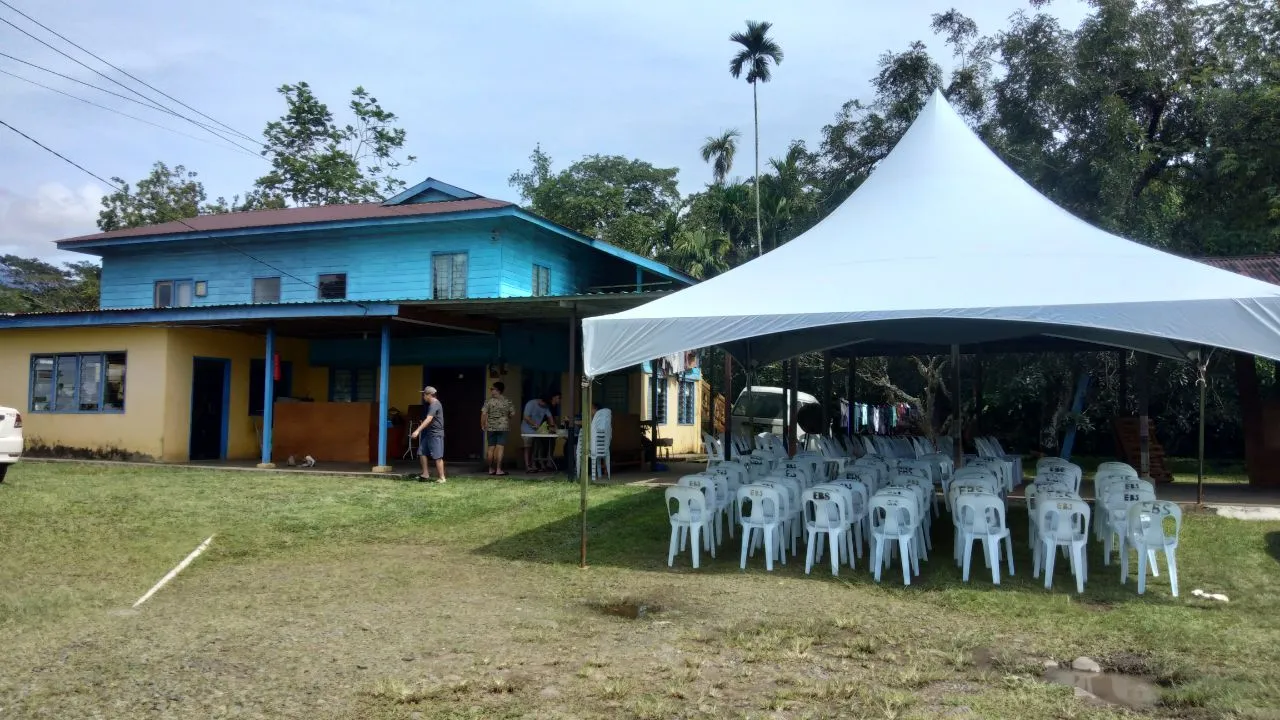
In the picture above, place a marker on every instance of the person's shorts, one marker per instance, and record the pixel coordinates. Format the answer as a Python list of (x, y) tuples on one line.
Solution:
[(431, 446), (497, 438)]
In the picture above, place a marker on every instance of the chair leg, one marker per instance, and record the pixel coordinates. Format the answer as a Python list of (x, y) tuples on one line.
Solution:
[(1008, 548), (1035, 559), (904, 547), (1151, 562), (810, 552), (877, 553), (673, 546), (1172, 562), (1124, 561), (991, 546), (968, 554), (834, 539), (684, 537), (694, 543), (1078, 552), (1050, 555), (1142, 570), (746, 545), (768, 547)]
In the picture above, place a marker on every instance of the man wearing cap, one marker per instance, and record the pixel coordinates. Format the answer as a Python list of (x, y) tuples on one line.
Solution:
[(430, 435)]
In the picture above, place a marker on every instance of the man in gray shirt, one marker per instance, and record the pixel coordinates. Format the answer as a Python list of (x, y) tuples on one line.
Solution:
[(430, 436)]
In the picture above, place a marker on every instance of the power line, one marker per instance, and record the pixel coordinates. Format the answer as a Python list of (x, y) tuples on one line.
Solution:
[(118, 112), (123, 72), (117, 82), (184, 223)]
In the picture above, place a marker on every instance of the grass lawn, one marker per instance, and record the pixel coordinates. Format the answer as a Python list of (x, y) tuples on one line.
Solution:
[(357, 598)]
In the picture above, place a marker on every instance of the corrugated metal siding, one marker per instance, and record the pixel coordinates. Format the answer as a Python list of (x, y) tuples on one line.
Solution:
[(377, 266)]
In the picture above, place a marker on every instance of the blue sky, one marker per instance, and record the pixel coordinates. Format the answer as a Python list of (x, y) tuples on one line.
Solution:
[(476, 85)]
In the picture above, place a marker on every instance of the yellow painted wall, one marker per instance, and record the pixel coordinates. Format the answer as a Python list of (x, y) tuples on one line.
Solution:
[(240, 348), (688, 438), (137, 429)]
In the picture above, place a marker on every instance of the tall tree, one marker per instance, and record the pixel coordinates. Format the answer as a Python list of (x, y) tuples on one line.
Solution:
[(625, 202), (31, 285), (317, 161), (719, 150), (758, 54), (168, 193)]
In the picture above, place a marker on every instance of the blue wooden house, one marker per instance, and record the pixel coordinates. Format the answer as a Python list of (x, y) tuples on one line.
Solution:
[(261, 335)]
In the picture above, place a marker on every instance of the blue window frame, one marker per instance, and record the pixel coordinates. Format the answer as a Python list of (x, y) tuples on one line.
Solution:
[(353, 384), (174, 293), (541, 281), (687, 412), (449, 276), (659, 410), (77, 383)]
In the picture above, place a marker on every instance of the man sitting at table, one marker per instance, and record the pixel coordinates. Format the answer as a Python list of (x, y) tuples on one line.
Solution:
[(535, 414)]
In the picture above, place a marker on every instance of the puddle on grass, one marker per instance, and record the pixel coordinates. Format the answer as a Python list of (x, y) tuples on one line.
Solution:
[(1129, 691), (629, 609)]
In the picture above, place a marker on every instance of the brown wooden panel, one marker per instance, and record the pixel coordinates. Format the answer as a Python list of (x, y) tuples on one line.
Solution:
[(329, 432)]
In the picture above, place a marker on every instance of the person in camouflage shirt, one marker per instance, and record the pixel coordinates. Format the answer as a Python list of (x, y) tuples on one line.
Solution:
[(495, 421)]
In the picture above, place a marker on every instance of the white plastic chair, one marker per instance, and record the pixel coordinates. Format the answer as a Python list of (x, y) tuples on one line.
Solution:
[(761, 511), (716, 490), (789, 490), (689, 520), (1116, 503), (601, 440), (983, 517), (824, 515), (1147, 534), (853, 500), (1062, 523), (894, 518)]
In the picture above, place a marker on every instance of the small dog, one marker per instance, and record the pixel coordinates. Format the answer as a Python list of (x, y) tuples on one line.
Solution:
[(308, 461)]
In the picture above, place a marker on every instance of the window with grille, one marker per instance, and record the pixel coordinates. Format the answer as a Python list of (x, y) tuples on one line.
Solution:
[(659, 398), (449, 276), (266, 290), (688, 405), (79, 383), (614, 393), (541, 281), (353, 384), (332, 286)]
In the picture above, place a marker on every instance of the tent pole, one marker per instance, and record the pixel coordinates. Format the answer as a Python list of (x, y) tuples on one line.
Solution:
[(1144, 422), (957, 406), (826, 392), (1202, 362), (794, 382), (584, 473), (728, 409)]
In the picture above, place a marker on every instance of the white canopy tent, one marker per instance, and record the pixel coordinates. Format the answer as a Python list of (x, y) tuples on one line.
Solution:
[(942, 245)]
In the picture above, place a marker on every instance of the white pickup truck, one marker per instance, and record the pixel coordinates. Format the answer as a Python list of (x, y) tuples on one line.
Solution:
[(10, 438)]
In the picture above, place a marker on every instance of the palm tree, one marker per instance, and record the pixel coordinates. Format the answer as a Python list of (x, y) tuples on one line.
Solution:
[(719, 151), (758, 49)]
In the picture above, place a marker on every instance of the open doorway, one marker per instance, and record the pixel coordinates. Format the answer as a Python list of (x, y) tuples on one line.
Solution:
[(210, 398), (461, 393)]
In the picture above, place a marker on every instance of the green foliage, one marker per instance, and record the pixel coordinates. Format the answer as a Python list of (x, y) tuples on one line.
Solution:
[(759, 52), (316, 161), (624, 202), (165, 195), (30, 285), (719, 150)]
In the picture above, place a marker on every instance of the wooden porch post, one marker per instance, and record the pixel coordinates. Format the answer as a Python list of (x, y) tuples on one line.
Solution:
[(384, 395), (728, 407), (268, 397)]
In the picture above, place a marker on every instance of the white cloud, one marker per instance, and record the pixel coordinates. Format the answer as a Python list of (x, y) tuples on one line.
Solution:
[(29, 223)]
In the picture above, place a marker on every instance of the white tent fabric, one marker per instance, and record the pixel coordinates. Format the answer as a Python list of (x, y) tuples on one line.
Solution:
[(943, 244)]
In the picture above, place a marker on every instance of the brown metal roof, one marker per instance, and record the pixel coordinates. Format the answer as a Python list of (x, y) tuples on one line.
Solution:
[(1259, 267), (293, 216)]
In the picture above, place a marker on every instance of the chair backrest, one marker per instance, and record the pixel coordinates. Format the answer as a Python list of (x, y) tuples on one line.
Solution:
[(788, 489), (980, 512), (1068, 468), (760, 504), (971, 472), (894, 514), (824, 508), (853, 500), (1123, 497), (969, 487), (686, 504), (997, 446), (734, 473), (1113, 466), (1147, 522), (984, 449), (1061, 520), (1048, 460), (942, 465), (1062, 477)]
